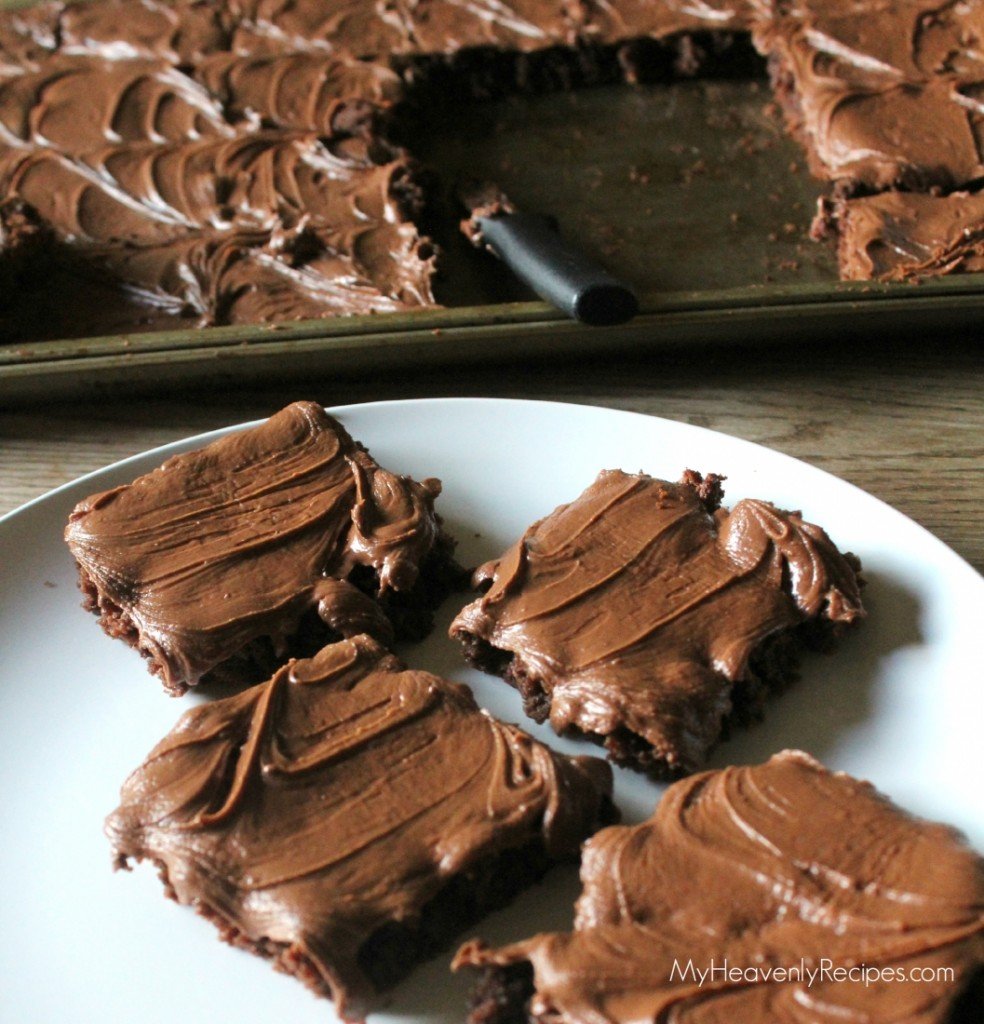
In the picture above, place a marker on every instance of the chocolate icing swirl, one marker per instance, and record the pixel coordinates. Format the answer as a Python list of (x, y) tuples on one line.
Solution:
[(886, 94), (882, 95), (225, 185), (126, 101), (606, 21), (178, 31), (155, 215), (238, 541), (308, 91), (772, 866), (897, 235), (635, 607), (308, 812)]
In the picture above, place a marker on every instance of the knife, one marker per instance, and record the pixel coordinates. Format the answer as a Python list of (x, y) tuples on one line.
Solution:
[(531, 245)]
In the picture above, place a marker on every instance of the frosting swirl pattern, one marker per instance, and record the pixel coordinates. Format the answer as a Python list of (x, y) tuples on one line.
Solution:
[(242, 539), (308, 813), (884, 95), (895, 235), (781, 867), (637, 608)]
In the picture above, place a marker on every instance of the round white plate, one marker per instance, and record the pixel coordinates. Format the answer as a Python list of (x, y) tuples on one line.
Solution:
[(899, 703)]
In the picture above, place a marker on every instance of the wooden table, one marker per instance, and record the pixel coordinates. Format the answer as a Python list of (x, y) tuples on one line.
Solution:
[(904, 421)]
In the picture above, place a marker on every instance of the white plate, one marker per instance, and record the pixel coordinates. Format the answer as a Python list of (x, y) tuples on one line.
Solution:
[(899, 703)]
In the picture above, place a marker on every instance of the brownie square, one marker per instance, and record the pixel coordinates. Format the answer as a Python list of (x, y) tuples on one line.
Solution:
[(346, 818), (648, 618), (881, 95), (769, 872), (266, 544), (894, 236)]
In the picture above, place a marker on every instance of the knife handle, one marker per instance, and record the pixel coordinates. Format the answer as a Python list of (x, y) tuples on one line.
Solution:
[(557, 271)]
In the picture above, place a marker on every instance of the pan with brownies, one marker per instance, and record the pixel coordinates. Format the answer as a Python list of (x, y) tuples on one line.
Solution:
[(246, 161)]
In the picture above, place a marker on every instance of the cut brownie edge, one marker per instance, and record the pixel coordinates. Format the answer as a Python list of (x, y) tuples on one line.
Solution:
[(489, 885), (410, 612), (396, 948), (501, 995), (486, 886), (489, 72), (772, 668), (286, 957)]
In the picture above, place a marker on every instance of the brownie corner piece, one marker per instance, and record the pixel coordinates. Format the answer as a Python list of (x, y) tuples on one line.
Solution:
[(347, 818), (266, 544), (849, 75), (903, 236), (813, 887), (649, 618)]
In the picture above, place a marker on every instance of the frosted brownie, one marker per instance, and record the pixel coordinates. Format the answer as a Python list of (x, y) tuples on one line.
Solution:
[(264, 545), (347, 818), (647, 617), (894, 236), (770, 872), (881, 95)]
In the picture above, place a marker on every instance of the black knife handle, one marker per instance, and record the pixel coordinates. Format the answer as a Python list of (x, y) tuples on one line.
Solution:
[(556, 271)]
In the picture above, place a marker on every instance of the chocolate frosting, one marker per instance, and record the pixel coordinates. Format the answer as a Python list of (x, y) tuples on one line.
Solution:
[(884, 93), (178, 31), (362, 28), (897, 235), (311, 91), (308, 812), (781, 865), (28, 34), (444, 26), (126, 101), (155, 215), (107, 103), (636, 607), (239, 540), (210, 183), (604, 21)]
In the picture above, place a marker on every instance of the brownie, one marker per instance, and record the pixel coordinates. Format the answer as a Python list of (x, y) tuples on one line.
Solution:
[(234, 162), (882, 95), (237, 162), (347, 818), (266, 544), (894, 236), (648, 618), (776, 878)]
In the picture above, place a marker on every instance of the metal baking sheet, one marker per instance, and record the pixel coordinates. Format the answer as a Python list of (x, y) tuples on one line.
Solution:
[(690, 190)]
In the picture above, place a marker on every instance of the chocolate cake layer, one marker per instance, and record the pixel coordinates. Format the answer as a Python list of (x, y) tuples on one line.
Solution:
[(347, 818), (646, 617), (224, 560), (897, 235), (770, 872)]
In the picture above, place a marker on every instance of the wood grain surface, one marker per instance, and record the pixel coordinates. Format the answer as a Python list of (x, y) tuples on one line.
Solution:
[(904, 421)]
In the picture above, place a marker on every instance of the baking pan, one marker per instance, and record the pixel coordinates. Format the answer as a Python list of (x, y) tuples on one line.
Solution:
[(690, 191)]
